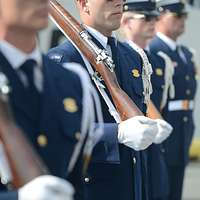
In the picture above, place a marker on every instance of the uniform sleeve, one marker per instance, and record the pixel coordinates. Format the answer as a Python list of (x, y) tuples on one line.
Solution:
[(107, 149), (9, 195), (157, 80)]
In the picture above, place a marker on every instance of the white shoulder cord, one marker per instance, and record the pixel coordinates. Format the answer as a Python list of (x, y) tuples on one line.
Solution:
[(168, 83), (146, 71), (90, 98)]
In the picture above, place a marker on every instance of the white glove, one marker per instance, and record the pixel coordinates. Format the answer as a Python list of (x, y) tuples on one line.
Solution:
[(137, 132), (164, 131), (46, 187)]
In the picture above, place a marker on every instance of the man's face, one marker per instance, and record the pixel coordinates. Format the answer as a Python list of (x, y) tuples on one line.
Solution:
[(27, 14), (174, 23), (142, 25), (103, 14)]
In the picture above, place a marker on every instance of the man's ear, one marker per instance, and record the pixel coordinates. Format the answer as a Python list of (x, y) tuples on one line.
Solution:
[(86, 7), (83, 5), (124, 20)]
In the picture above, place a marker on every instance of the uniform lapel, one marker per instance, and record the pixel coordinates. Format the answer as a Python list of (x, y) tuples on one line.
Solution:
[(47, 103), (18, 97)]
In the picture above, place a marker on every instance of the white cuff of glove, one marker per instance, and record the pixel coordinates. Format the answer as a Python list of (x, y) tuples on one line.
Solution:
[(46, 187), (164, 131), (137, 132)]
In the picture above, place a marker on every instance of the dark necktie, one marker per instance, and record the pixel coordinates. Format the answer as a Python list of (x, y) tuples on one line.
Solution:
[(177, 50), (113, 47), (180, 54), (32, 93), (28, 69), (115, 56)]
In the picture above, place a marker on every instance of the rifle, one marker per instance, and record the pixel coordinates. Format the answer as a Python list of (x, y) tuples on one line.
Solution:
[(23, 162), (97, 57), (153, 112)]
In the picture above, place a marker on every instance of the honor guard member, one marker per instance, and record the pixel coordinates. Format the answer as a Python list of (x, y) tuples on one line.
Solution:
[(179, 111), (137, 29), (46, 101), (120, 177)]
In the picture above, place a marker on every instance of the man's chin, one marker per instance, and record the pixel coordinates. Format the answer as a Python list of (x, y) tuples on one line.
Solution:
[(42, 25), (115, 26), (181, 32), (150, 36)]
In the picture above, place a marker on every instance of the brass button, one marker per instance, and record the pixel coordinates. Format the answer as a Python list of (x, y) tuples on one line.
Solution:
[(159, 71), (188, 92), (136, 73), (187, 77), (78, 135), (185, 119), (42, 140), (70, 105), (87, 180), (185, 104)]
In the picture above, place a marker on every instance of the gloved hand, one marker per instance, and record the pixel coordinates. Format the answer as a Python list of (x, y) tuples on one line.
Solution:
[(46, 187), (164, 131), (137, 132)]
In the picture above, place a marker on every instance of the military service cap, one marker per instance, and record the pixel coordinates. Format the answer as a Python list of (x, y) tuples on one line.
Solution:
[(146, 7)]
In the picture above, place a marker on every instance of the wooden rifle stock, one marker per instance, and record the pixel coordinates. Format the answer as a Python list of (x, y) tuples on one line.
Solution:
[(70, 27), (153, 112), (23, 161)]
